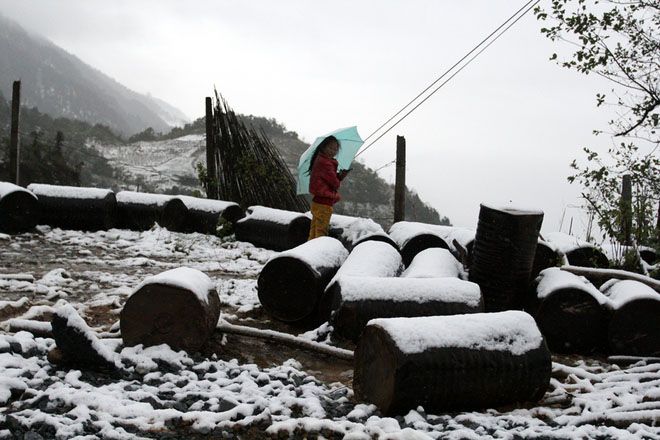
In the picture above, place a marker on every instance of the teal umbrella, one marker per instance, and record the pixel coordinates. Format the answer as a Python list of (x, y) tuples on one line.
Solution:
[(349, 144)]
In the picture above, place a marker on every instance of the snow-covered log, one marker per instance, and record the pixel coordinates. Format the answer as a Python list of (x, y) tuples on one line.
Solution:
[(368, 259), (649, 255), (448, 363), (71, 207), (291, 283), (634, 327), (19, 208), (79, 345), (570, 312), (413, 237), (274, 229), (546, 256), (578, 252), (434, 263), (357, 300), (178, 307), (352, 231), (140, 211), (204, 214), (503, 254)]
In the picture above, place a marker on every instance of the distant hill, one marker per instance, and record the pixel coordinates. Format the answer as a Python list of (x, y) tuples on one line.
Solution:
[(61, 85), (166, 163)]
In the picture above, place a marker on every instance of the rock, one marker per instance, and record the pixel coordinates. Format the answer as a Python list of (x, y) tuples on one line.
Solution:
[(78, 345)]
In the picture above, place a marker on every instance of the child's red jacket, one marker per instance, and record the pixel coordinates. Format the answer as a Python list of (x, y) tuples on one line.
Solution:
[(324, 182)]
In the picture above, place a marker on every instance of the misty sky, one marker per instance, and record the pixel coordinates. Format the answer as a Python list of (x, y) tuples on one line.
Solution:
[(504, 129)]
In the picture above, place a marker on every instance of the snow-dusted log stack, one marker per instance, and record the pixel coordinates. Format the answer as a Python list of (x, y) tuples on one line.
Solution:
[(368, 259), (70, 207), (271, 228), (448, 363), (352, 231), (19, 208), (179, 307), (291, 284), (140, 211), (634, 327), (570, 312), (412, 238), (577, 252), (204, 214), (357, 300), (503, 254)]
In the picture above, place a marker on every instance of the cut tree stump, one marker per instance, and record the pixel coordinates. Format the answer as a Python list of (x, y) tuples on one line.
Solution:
[(179, 307), (71, 207), (357, 300), (204, 214), (273, 229), (503, 255), (434, 263), (451, 363), (140, 211), (290, 285), (570, 312), (19, 208), (634, 326)]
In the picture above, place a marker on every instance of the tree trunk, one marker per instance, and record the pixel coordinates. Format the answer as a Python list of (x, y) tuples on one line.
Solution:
[(397, 375), (87, 209), (165, 312), (291, 284), (19, 208)]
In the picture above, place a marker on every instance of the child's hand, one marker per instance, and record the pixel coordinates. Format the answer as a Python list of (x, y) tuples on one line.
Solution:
[(343, 173)]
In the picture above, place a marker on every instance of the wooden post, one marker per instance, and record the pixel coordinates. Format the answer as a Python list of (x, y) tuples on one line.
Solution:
[(212, 185), (400, 182), (14, 146), (626, 210)]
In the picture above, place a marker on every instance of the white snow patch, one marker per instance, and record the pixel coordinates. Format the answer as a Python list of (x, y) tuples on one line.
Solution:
[(552, 279), (68, 192), (185, 278), (143, 198), (7, 188), (419, 290), (434, 263), (320, 252), (622, 292), (280, 216), (206, 205), (512, 331)]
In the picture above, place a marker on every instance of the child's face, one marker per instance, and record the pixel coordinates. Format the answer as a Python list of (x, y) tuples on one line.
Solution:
[(331, 149)]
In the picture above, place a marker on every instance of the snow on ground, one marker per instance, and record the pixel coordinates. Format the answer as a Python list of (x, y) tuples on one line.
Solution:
[(160, 393)]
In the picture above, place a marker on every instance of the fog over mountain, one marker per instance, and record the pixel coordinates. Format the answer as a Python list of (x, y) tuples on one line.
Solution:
[(61, 85)]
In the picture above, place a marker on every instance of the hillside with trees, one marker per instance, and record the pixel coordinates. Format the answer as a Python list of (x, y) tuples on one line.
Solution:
[(58, 151)]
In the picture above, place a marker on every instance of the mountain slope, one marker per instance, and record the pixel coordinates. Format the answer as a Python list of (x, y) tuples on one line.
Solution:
[(61, 85)]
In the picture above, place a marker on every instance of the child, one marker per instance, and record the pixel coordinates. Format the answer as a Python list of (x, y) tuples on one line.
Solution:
[(324, 184)]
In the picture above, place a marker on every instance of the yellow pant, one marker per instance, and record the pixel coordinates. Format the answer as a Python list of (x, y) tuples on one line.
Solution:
[(320, 220)]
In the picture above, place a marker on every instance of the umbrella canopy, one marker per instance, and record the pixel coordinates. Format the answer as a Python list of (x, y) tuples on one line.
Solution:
[(349, 144)]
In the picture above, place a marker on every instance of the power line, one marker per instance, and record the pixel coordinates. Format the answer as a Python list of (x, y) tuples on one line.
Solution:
[(519, 16)]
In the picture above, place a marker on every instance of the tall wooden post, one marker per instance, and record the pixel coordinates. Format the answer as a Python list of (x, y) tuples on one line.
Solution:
[(626, 210), (211, 185), (400, 182), (14, 146)]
